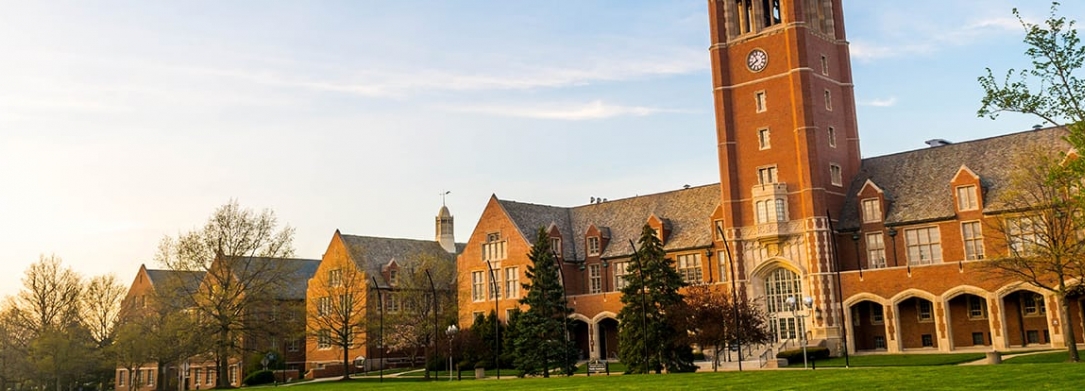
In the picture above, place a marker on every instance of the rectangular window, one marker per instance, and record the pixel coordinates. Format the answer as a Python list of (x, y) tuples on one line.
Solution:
[(835, 175), (324, 306), (335, 277), (494, 248), (1033, 336), (973, 240), (120, 377), (593, 245), (763, 141), (197, 376), (393, 277), (877, 314), (595, 279), (828, 100), (966, 198), (766, 175), (210, 376), (977, 307), (924, 246), (717, 231), (879, 342), (512, 281), (391, 303), (770, 211), (293, 345), (977, 339), (832, 137), (759, 101), (477, 288), (876, 250), (233, 375), (1023, 235), (494, 286), (555, 246), (620, 271), (923, 309), (1034, 304), (928, 341), (824, 65), (872, 210), (689, 267)]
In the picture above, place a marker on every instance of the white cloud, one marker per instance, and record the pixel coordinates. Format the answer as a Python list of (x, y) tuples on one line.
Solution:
[(928, 38), (589, 111), (880, 102)]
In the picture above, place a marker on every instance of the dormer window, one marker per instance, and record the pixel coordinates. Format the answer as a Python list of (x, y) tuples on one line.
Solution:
[(393, 277), (872, 210), (555, 245), (593, 245), (966, 198)]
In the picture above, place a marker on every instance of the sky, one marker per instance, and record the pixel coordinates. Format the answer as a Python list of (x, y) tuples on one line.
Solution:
[(125, 122)]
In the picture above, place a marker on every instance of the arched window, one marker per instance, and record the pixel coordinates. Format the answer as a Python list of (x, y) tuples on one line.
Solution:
[(780, 285)]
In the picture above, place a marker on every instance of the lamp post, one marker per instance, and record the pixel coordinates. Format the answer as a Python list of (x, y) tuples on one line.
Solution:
[(793, 304), (497, 318), (451, 333)]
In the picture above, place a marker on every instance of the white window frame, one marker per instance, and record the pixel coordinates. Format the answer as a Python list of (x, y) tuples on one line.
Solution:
[(875, 249), (972, 237), (689, 267), (491, 285), (1023, 234), (620, 272), (924, 311), (877, 316), (872, 210), (555, 245), (594, 245), (495, 249), (836, 174), (512, 281), (335, 277), (977, 307), (595, 279), (923, 245), (764, 139), (967, 198), (478, 288), (767, 175), (324, 339)]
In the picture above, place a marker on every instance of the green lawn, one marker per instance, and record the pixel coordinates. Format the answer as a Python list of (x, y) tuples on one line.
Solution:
[(1040, 358), (897, 360), (946, 377)]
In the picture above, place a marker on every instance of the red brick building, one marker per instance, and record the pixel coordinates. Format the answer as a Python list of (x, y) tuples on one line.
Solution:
[(794, 193)]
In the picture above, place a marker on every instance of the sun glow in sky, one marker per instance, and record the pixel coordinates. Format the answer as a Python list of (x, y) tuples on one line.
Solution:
[(123, 122)]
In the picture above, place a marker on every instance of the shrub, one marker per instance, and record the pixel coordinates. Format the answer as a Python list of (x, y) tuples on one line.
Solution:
[(699, 356), (260, 377), (795, 355)]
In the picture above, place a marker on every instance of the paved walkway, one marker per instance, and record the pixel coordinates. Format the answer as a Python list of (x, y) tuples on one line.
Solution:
[(983, 361)]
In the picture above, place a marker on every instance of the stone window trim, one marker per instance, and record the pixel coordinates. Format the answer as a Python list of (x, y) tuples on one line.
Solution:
[(767, 175), (923, 245), (924, 311), (877, 314), (871, 210), (836, 175), (832, 137), (828, 100), (977, 307), (594, 244), (967, 198), (875, 249), (972, 238), (764, 139), (760, 101)]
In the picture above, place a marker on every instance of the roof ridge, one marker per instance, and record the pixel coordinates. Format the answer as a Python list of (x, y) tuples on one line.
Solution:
[(954, 145), (666, 192)]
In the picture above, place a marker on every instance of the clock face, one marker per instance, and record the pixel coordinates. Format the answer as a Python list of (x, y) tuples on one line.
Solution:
[(757, 60)]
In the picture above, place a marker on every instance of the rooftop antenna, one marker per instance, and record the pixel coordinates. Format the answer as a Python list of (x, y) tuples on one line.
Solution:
[(447, 192)]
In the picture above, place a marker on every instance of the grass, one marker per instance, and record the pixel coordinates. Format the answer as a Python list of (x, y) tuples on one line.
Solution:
[(1040, 358), (897, 360), (944, 377)]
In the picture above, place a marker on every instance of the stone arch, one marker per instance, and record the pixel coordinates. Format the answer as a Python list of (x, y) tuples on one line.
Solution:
[(910, 293), (963, 289), (1012, 287), (603, 315), (865, 296), (768, 266), (581, 317)]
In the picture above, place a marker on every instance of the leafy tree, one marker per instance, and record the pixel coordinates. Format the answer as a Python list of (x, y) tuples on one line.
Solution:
[(649, 300), (1042, 233), (241, 253), (483, 343), (541, 340), (14, 345)]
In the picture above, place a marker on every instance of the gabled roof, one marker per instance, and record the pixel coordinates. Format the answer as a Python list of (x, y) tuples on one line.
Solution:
[(189, 280), (370, 254), (918, 182), (301, 270), (689, 212)]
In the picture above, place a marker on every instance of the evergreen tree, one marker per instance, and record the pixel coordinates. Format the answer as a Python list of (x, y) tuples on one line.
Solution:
[(648, 338), (541, 337)]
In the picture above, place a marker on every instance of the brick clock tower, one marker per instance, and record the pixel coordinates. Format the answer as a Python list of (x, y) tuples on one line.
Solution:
[(788, 148)]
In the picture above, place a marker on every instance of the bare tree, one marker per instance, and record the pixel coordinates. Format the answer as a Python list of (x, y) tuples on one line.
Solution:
[(415, 325), (101, 307), (336, 310), (14, 342), (241, 255), (50, 294), (1042, 227)]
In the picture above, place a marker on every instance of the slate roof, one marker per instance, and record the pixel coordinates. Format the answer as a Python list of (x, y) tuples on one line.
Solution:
[(688, 212), (917, 183), (372, 253), (190, 280), (302, 270)]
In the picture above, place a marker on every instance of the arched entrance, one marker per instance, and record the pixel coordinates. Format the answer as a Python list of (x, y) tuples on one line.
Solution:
[(1026, 319), (578, 330), (868, 326), (781, 284), (608, 338), (917, 330), (970, 321)]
